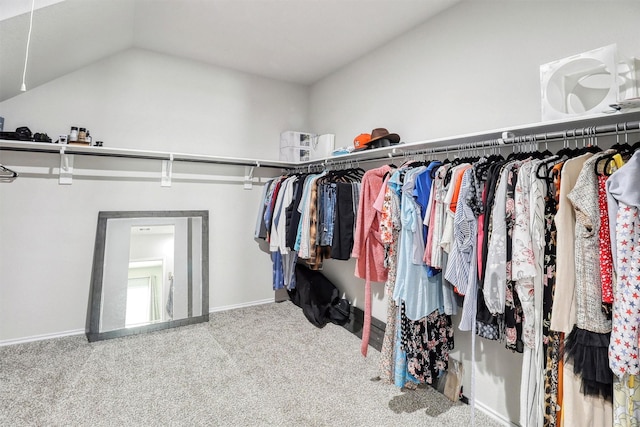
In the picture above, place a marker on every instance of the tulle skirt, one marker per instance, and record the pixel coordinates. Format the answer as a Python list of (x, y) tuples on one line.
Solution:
[(589, 353)]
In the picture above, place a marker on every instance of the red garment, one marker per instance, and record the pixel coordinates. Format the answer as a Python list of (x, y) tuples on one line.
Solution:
[(456, 187), (606, 259), (272, 205), (368, 248), (485, 191)]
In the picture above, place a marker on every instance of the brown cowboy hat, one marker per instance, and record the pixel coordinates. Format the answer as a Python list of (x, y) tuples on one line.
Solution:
[(380, 137), (382, 133)]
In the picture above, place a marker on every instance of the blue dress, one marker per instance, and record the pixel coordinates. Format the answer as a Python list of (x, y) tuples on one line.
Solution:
[(420, 293)]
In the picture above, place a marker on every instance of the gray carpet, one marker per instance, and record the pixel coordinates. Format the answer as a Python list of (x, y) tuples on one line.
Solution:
[(258, 366)]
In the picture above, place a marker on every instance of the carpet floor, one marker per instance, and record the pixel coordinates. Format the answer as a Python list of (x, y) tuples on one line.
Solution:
[(257, 366)]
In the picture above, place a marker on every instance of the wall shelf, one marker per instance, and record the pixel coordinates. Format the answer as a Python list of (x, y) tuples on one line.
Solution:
[(43, 147), (539, 132), (553, 130)]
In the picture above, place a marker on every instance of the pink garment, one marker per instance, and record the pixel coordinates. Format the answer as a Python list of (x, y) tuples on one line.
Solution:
[(377, 205), (432, 219), (481, 231), (368, 248)]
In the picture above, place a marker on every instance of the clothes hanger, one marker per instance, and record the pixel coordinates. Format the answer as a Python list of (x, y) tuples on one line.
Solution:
[(447, 176), (458, 160), (355, 173), (520, 153), (546, 153), (445, 161), (592, 146), (621, 149), (563, 154), (531, 150), (566, 149), (483, 168), (549, 161)]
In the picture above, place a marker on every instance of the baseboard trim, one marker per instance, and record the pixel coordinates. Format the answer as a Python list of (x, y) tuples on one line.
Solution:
[(42, 337), (355, 325), (241, 305), (493, 414)]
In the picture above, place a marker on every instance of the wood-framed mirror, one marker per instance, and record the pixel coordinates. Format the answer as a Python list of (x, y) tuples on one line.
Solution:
[(150, 272)]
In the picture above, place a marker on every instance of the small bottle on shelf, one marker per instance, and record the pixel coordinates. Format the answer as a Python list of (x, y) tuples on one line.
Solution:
[(73, 136), (82, 135)]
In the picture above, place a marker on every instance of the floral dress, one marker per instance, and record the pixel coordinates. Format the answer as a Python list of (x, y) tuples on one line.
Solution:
[(551, 339), (513, 307), (427, 342), (389, 233)]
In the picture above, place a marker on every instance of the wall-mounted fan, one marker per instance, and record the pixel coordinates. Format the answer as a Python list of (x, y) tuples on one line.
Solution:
[(585, 84)]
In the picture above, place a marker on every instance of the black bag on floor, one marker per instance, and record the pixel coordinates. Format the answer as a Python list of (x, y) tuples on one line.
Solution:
[(318, 298)]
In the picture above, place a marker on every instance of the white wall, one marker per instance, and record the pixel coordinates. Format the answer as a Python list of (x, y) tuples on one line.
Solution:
[(136, 99), (144, 100), (474, 67), (471, 68)]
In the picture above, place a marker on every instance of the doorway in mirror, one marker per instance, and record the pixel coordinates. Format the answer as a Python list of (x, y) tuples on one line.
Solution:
[(150, 272)]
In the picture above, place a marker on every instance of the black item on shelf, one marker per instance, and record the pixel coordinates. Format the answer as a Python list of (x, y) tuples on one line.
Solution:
[(41, 137), (11, 136), (23, 133)]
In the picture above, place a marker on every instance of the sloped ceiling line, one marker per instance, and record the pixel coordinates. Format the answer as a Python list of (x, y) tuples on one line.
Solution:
[(289, 40)]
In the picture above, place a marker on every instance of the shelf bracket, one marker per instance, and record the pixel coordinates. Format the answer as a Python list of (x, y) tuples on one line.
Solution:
[(248, 176), (66, 168), (167, 171)]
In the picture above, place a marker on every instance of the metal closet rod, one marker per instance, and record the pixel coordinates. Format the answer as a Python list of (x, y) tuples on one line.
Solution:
[(176, 158), (354, 161), (566, 134), (585, 132)]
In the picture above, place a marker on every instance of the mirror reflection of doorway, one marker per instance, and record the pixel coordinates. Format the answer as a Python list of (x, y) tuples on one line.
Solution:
[(145, 293), (140, 302), (149, 286)]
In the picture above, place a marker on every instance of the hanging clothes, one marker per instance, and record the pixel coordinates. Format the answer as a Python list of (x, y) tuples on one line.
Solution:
[(307, 217), (461, 270), (589, 339), (551, 339), (434, 254), (523, 246), (624, 201), (420, 292), (495, 278), (285, 277), (488, 323), (563, 312), (423, 334), (344, 220), (524, 272), (583, 409), (389, 232), (427, 343), (367, 247)]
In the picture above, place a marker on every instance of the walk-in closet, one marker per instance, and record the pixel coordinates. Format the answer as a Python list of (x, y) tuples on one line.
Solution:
[(477, 241)]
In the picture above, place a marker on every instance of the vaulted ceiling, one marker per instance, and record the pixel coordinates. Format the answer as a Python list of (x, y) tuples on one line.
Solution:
[(299, 41)]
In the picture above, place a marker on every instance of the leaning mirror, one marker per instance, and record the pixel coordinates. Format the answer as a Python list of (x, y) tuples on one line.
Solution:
[(150, 272)]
